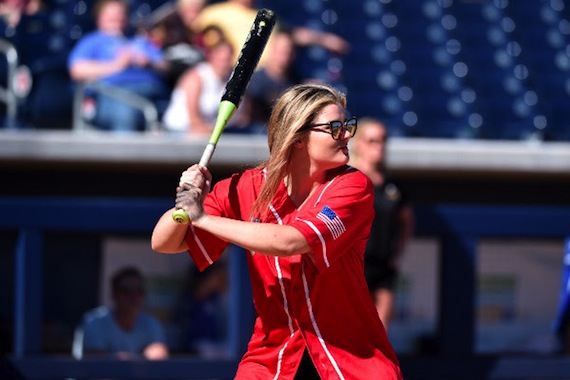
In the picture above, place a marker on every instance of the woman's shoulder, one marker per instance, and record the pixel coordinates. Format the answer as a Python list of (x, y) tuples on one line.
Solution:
[(353, 175), (248, 177), (189, 77), (348, 181), (240, 186)]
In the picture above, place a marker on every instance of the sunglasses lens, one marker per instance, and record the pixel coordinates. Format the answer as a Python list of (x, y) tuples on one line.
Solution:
[(336, 128), (351, 126)]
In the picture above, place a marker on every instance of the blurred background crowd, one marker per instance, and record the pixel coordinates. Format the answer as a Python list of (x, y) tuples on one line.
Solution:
[(473, 69)]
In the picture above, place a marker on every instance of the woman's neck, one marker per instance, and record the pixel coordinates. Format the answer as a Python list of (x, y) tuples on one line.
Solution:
[(300, 194), (374, 171), (301, 183)]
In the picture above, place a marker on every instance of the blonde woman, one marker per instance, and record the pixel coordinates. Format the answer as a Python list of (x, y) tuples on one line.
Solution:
[(304, 217)]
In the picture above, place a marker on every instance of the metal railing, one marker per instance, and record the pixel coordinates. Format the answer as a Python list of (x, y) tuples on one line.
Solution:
[(148, 109)]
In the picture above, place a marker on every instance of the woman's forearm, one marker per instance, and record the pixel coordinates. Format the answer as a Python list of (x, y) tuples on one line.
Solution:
[(269, 239), (169, 236), (93, 70)]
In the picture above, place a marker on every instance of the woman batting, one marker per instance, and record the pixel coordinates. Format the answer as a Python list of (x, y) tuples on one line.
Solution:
[(304, 215)]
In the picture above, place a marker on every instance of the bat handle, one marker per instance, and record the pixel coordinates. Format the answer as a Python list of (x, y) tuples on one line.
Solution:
[(180, 216), (207, 155)]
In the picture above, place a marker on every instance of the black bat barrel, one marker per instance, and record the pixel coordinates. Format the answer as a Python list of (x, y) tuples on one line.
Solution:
[(249, 56)]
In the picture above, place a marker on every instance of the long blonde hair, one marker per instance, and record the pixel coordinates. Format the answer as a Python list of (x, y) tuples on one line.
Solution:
[(296, 108)]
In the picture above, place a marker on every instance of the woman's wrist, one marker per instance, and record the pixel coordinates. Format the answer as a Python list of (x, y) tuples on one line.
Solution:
[(198, 220)]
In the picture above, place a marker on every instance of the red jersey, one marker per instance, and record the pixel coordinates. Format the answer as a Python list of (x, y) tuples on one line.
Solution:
[(319, 300)]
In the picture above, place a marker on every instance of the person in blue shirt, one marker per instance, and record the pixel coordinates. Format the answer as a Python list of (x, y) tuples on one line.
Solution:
[(561, 324), (124, 330), (111, 56)]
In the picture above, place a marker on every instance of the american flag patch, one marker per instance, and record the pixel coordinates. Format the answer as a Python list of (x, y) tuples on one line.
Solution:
[(332, 221)]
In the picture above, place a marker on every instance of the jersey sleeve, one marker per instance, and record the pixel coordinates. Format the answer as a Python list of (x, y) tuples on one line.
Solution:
[(339, 222), (204, 247)]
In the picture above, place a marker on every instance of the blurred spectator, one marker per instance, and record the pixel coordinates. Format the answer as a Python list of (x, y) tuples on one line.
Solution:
[(123, 330), (393, 225), (170, 27), (11, 10), (111, 56), (196, 98), (203, 310), (562, 321), (235, 17), (271, 80)]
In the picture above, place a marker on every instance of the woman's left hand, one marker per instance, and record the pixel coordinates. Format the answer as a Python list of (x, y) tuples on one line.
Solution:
[(192, 189)]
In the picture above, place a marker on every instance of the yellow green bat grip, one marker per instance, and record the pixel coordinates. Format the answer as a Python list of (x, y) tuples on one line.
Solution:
[(225, 112), (180, 216)]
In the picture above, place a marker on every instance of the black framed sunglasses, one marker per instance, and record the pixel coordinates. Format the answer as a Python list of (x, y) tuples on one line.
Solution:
[(336, 128)]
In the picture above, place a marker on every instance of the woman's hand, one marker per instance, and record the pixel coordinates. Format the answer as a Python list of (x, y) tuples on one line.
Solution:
[(192, 189)]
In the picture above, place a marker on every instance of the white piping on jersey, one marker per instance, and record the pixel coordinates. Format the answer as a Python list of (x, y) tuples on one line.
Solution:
[(279, 361), (324, 189), (201, 246), (321, 238), (316, 327), (275, 214), (285, 302), (310, 224)]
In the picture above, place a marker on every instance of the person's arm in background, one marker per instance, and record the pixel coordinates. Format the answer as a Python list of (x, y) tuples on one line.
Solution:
[(191, 84), (84, 64), (304, 36), (146, 54), (406, 221), (88, 70), (156, 351)]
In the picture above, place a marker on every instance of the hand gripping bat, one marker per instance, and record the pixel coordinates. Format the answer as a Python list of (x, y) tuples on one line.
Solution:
[(236, 86)]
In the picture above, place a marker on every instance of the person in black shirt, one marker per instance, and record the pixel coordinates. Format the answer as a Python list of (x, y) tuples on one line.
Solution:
[(393, 225)]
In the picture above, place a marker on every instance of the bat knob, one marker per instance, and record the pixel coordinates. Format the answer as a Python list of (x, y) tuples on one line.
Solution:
[(180, 217)]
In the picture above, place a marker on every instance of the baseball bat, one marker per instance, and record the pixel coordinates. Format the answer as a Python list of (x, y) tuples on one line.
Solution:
[(235, 87)]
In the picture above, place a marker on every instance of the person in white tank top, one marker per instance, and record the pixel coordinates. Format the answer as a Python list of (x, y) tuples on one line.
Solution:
[(196, 98)]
